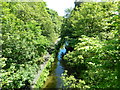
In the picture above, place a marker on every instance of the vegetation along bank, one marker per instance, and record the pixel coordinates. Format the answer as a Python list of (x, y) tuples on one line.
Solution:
[(30, 30)]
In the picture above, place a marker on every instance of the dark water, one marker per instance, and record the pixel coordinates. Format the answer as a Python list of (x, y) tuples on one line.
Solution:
[(54, 80)]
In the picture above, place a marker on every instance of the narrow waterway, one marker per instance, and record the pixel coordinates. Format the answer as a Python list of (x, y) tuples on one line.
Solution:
[(54, 80)]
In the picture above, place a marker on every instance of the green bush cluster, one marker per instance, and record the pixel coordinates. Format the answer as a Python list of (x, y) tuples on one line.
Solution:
[(95, 58), (90, 19), (27, 33)]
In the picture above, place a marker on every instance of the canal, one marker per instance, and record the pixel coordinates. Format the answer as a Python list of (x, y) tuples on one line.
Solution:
[(54, 79)]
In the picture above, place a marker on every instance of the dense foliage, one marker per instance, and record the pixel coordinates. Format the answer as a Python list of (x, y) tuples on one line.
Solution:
[(92, 30), (27, 33)]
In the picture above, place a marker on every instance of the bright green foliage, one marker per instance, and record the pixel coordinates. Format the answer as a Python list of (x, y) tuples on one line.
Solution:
[(95, 59), (72, 82), (90, 19), (57, 20), (27, 33)]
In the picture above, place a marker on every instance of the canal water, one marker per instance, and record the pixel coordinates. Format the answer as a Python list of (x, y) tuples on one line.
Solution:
[(54, 80)]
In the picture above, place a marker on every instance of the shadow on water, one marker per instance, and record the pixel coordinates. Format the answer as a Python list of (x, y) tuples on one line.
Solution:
[(54, 80)]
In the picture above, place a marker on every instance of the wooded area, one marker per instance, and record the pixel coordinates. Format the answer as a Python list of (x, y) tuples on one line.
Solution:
[(30, 29), (94, 61)]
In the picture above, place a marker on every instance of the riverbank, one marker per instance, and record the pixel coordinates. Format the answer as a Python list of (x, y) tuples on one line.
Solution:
[(43, 73), (45, 69), (42, 67)]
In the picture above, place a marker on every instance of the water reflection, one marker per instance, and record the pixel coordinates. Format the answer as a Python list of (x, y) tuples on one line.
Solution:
[(54, 80), (61, 52), (60, 69)]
